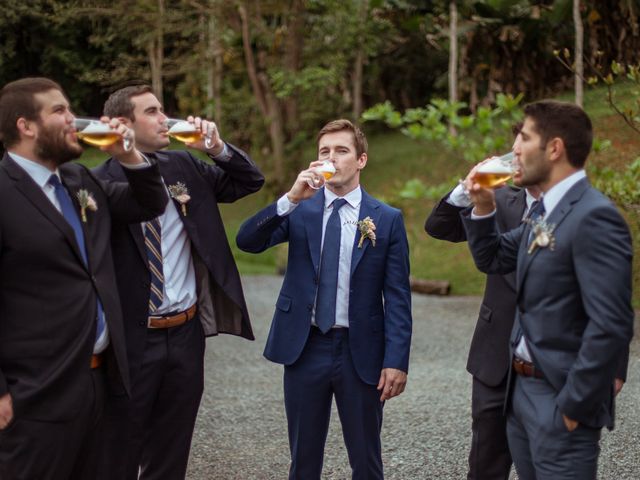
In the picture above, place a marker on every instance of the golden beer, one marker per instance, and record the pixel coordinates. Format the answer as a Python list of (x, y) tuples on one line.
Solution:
[(99, 139), (186, 137), (490, 179)]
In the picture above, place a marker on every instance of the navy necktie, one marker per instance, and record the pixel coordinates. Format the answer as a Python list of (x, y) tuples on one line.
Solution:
[(328, 282), (535, 212), (71, 216), (152, 240)]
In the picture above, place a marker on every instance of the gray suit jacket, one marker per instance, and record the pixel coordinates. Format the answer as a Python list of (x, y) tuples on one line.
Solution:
[(573, 300)]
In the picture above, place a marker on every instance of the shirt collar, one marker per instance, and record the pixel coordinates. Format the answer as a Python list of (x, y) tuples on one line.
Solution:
[(529, 199), (353, 198), (39, 173), (553, 196)]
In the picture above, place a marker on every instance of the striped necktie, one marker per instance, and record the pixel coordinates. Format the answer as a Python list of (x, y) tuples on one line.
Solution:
[(152, 241)]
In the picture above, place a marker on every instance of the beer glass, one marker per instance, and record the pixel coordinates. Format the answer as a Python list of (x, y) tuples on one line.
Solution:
[(321, 174), (496, 171), (186, 132), (98, 134)]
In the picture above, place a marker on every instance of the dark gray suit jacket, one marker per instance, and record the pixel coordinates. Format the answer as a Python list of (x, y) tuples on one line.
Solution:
[(573, 301), (488, 359)]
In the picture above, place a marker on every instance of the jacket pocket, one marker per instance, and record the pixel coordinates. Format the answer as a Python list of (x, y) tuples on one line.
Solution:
[(283, 303), (485, 313)]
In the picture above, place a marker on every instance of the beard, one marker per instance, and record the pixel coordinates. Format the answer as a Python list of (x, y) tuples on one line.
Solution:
[(52, 145)]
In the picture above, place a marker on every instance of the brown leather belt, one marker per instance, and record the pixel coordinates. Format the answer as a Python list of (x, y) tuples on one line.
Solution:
[(96, 360), (172, 320), (526, 369)]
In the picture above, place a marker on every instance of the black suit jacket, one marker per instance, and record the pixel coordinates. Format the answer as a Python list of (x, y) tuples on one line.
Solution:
[(489, 359), (574, 297), (221, 302), (48, 295)]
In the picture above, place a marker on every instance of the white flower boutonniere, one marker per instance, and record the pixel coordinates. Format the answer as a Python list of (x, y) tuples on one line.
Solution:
[(542, 235), (367, 230), (87, 202), (180, 193)]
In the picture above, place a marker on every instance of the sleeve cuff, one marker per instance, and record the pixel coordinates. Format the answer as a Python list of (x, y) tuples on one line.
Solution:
[(137, 166), (224, 156), (459, 197), (285, 206), (481, 217)]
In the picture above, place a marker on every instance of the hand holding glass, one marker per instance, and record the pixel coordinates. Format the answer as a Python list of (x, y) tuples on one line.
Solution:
[(186, 132), (321, 174), (99, 134), (495, 171)]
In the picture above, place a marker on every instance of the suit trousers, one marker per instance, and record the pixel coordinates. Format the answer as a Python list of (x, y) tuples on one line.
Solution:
[(324, 370), (149, 436), (39, 450), (542, 447), (489, 457)]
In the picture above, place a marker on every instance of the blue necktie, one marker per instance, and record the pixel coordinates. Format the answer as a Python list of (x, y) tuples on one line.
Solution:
[(535, 212), (328, 283), (152, 240), (71, 216)]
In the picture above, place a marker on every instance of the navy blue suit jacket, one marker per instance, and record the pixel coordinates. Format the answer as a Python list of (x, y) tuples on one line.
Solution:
[(573, 300), (380, 297)]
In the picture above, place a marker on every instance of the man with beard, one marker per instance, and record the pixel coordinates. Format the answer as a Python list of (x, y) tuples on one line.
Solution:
[(61, 336), (572, 260), (178, 283)]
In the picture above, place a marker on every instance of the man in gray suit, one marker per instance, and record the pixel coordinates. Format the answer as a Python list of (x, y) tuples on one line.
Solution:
[(573, 313)]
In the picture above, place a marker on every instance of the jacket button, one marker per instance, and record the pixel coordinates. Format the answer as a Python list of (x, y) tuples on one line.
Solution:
[(310, 307), (143, 324)]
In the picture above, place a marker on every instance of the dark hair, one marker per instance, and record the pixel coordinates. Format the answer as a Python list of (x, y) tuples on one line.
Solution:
[(17, 100), (119, 103), (566, 121), (359, 140)]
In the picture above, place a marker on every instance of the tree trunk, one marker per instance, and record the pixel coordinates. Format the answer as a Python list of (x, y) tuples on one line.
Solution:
[(453, 57), (266, 99), (579, 31), (155, 52), (358, 64), (293, 55), (214, 71)]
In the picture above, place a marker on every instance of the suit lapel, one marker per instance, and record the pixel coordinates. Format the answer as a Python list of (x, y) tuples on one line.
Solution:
[(369, 207), (516, 204), (34, 194), (556, 217), (313, 226)]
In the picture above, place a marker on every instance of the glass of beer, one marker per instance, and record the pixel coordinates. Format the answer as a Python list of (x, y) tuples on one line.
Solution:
[(496, 171), (186, 132), (98, 134), (321, 174)]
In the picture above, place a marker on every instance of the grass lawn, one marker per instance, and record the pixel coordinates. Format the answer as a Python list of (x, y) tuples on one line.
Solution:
[(393, 159)]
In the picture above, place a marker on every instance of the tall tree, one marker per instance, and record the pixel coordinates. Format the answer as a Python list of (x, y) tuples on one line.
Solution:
[(579, 46)]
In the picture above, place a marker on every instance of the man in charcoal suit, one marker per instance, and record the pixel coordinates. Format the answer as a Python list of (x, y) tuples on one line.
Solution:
[(179, 284), (342, 325), (61, 336), (572, 261)]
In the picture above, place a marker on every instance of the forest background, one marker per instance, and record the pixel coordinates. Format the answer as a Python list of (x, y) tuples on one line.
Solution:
[(436, 83)]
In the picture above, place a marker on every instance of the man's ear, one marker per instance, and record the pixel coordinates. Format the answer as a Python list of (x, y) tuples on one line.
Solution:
[(555, 149), (362, 161), (27, 128)]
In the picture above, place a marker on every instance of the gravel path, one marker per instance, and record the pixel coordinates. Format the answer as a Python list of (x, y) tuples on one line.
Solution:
[(241, 429)]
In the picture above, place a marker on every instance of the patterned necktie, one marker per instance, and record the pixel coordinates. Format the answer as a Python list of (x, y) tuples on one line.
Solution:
[(328, 282), (536, 211), (152, 240), (71, 216)]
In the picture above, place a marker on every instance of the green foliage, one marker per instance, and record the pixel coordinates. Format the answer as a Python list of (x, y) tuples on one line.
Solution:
[(620, 186)]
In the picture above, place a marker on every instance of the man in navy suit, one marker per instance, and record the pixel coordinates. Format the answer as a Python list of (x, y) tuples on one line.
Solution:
[(342, 325), (200, 294), (573, 315)]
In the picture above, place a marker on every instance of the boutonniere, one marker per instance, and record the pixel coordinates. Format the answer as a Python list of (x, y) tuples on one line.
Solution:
[(86, 201), (180, 193), (367, 230), (542, 235)]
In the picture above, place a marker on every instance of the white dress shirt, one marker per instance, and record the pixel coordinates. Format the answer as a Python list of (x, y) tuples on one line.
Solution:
[(40, 175), (349, 214)]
